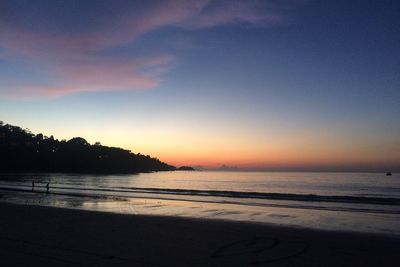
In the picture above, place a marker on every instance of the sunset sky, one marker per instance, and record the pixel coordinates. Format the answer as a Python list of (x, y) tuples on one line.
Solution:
[(265, 85)]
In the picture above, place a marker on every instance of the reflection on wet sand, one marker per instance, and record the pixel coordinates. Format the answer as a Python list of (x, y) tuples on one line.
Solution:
[(329, 219)]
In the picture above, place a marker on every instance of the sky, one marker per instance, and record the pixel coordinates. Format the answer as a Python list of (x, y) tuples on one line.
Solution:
[(260, 85)]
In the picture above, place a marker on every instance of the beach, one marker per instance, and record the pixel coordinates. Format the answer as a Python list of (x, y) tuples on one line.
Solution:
[(47, 236)]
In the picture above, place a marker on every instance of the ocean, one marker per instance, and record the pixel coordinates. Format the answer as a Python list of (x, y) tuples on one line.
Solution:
[(362, 202)]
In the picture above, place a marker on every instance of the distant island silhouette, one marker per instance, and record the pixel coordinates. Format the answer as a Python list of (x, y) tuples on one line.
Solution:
[(23, 151), (185, 168)]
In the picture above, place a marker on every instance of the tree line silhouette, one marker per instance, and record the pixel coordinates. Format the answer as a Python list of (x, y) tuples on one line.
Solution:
[(23, 151)]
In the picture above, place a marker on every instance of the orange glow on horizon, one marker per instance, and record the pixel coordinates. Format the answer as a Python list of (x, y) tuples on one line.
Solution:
[(212, 148)]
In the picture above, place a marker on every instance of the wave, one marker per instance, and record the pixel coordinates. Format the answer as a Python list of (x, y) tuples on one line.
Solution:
[(119, 191), (272, 196)]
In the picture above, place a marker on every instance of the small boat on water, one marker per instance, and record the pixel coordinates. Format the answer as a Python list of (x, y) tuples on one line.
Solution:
[(388, 174)]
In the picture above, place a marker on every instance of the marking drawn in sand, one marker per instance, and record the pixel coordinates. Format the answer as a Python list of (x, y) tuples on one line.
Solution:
[(262, 250)]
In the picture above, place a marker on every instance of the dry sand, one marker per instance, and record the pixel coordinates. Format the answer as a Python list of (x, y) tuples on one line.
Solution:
[(44, 236)]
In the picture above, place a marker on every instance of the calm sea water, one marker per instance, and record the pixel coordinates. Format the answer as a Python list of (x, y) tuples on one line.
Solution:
[(335, 201)]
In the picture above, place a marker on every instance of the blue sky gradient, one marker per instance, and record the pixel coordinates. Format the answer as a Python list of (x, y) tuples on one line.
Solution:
[(255, 84)]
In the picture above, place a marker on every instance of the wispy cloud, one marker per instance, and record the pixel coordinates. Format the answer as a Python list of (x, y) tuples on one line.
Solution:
[(94, 75), (226, 12), (73, 56)]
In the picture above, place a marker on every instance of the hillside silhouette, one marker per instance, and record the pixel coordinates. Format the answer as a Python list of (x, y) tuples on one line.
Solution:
[(23, 151)]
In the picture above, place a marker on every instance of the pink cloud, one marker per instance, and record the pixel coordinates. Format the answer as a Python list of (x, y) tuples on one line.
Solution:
[(106, 75), (74, 62), (118, 31), (95, 75)]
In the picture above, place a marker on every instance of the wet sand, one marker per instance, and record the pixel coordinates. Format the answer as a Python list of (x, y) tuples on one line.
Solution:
[(46, 236)]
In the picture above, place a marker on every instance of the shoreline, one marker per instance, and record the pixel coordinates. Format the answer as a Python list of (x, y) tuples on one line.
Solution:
[(364, 219), (37, 235), (312, 198)]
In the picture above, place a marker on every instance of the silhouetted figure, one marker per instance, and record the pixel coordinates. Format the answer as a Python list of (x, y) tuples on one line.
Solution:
[(33, 185), (47, 187)]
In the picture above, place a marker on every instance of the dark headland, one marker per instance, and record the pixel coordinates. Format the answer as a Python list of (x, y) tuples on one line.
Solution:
[(23, 151)]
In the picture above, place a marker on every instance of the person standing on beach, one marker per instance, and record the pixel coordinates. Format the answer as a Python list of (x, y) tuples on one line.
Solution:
[(33, 186), (47, 187)]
